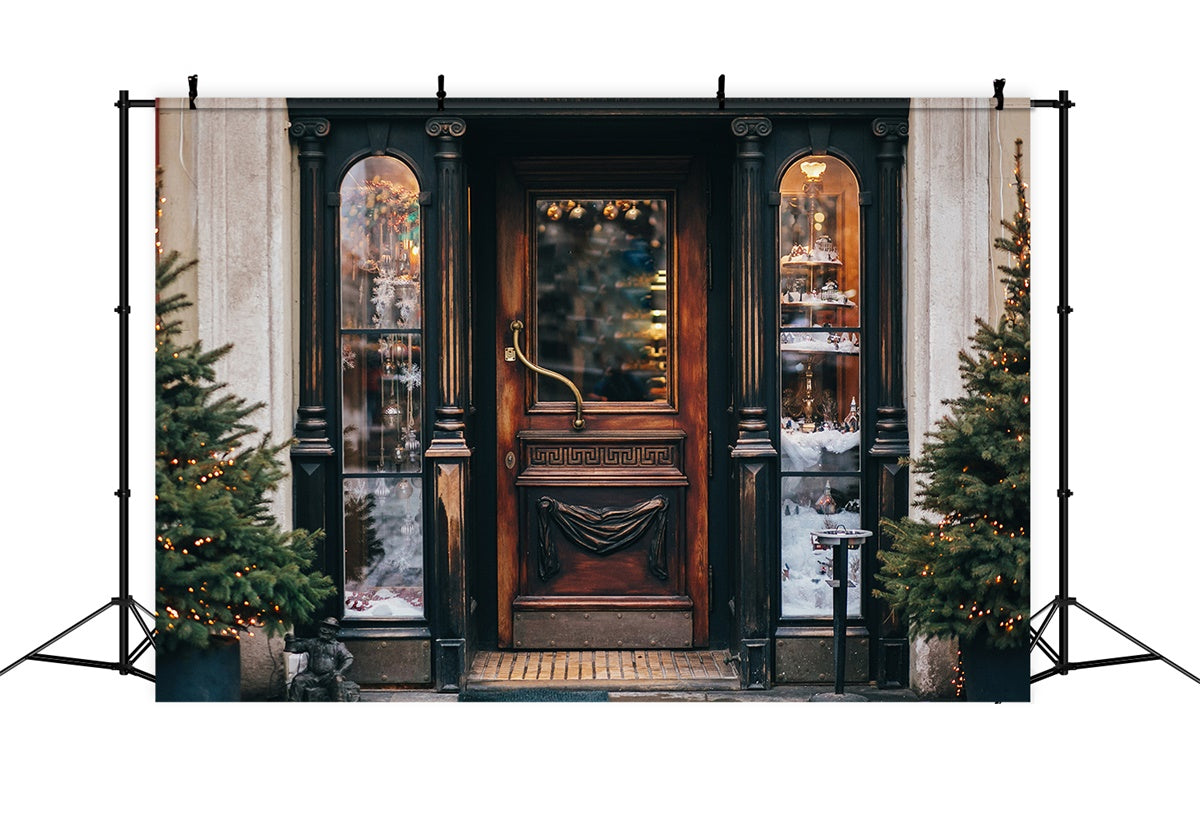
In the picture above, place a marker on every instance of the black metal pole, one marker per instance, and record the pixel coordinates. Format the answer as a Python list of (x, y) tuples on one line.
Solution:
[(123, 490), (124, 603), (1060, 660), (1064, 493), (840, 582)]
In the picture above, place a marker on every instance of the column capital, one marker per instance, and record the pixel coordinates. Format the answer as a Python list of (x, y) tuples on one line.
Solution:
[(890, 129), (446, 127), (309, 128), (750, 127)]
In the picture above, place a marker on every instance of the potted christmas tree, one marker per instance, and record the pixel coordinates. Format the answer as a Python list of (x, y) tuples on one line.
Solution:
[(967, 575), (224, 566)]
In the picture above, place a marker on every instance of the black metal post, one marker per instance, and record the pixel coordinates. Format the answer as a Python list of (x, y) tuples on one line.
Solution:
[(124, 603), (840, 582), (1062, 604)]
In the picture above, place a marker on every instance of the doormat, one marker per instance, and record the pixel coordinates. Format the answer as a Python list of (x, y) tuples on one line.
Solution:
[(530, 695)]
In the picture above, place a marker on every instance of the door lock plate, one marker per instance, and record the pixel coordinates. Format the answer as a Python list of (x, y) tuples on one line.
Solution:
[(510, 353)]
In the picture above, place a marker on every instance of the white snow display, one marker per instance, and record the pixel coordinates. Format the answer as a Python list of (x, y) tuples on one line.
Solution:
[(391, 585), (806, 571), (820, 342), (802, 451)]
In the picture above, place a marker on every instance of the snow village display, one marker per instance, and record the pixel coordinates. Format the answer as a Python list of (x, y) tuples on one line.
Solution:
[(819, 342)]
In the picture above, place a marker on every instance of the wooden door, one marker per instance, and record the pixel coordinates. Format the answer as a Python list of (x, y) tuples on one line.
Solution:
[(602, 435)]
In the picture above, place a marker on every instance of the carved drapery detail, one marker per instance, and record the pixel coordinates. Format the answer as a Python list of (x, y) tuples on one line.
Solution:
[(602, 531)]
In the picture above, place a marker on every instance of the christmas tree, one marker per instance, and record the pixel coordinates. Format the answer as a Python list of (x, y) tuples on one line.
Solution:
[(223, 564), (968, 575)]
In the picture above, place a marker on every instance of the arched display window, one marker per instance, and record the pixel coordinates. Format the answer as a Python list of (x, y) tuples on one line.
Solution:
[(820, 379), (381, 387)]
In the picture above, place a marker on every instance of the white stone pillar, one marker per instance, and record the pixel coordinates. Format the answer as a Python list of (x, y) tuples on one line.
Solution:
[(244, 244), (949, 276), (949, 282)]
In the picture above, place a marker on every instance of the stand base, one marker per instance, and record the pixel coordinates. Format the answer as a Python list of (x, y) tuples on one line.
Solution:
[(1062, 665), (127, 606)]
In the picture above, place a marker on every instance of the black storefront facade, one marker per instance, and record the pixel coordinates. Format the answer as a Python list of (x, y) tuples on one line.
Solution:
[(770, 298)]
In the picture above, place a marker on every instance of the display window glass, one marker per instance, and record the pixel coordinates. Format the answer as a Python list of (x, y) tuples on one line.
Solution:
[(820, 378), (381, 378)]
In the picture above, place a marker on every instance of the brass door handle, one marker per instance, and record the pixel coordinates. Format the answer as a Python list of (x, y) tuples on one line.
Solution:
[(517, 326)]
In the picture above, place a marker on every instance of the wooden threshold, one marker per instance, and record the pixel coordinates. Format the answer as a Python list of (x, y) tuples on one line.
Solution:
[(636, 669)]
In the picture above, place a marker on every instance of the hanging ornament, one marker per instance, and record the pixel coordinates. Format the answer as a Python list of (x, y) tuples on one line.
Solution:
[(412, 445), (554, 212), (611, 211), (404, 489)]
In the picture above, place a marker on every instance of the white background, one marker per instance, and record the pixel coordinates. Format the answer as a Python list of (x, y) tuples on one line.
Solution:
[(1100, 742)]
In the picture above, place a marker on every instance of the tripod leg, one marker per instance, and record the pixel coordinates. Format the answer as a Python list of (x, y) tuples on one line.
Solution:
[(145, 629), (1037, 641), (145, 610), (1137, 642), (59, 636)]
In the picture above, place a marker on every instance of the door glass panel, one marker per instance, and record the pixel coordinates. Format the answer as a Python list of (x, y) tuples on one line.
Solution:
[(604, 298)]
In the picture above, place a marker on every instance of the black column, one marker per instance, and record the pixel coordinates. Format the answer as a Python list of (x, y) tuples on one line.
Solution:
[(891, 423), (752, 452), (312, 453), (890, 434), (448, 451)]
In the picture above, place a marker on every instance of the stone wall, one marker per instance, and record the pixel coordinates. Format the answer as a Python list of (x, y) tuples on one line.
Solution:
[(959, 167), (228, 181)]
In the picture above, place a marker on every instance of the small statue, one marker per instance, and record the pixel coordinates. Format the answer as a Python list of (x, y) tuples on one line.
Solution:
[(324, 679)]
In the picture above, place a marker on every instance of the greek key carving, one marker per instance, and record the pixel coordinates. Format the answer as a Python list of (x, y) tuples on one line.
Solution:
[(612, 455)]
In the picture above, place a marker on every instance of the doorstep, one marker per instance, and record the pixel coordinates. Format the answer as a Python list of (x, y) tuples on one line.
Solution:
[(625, 670)]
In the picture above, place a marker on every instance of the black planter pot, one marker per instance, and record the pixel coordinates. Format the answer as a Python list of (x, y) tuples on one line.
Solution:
[(994, 674), (189, 674)]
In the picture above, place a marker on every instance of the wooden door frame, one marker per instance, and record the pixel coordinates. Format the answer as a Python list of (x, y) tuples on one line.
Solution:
[(686, 178)]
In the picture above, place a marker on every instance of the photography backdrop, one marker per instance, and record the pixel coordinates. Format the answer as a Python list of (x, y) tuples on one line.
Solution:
[(1143, 706)]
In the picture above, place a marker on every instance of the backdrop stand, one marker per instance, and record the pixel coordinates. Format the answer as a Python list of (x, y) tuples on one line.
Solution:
[(1062, 604), (127, 607)]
